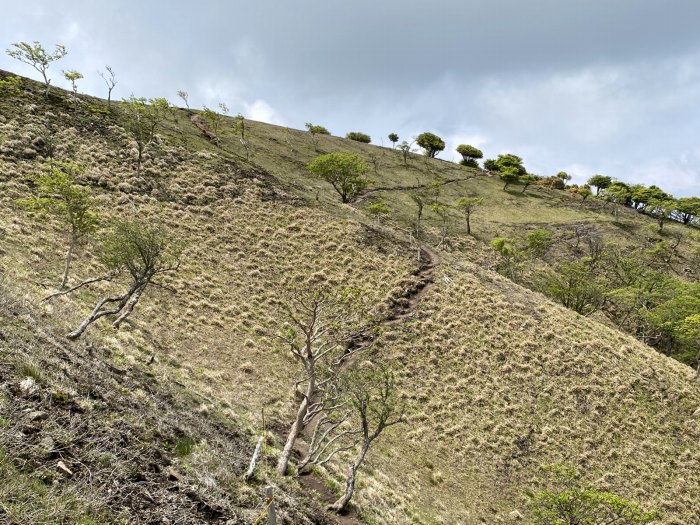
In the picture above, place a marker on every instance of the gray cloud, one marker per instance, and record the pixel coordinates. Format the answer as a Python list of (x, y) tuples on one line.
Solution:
[(594, 86)]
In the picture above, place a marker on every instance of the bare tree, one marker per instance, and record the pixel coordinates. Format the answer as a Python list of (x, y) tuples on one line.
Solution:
[(184, 96), (111, 80), (320, 326), (374, 400), (135, 251)]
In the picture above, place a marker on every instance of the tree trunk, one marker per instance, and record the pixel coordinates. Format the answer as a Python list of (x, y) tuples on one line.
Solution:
[(298, 424), (342, 502), (69, 258), (469, 226), (505, 187), (130, 308)]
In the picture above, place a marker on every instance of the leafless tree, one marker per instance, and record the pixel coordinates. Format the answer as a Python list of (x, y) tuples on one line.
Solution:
[(111, 80), (321, 325)]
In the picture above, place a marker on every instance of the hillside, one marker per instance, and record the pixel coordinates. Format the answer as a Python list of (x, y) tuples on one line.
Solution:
[(497, 379)]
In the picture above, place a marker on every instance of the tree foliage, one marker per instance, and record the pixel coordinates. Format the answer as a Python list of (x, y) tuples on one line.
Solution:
[(600, 182), (467, 205), (144, 118), (137, 252), (358, 136), (36, 56), (431, 144), (344, 171), (393, 138), (571, 501), (58, 194), (470, 154)]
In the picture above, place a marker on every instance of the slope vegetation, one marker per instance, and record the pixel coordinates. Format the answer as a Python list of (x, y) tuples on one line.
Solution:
[(497, 380)]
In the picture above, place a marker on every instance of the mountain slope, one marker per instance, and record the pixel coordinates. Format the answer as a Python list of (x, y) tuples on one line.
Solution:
[(497, 379)]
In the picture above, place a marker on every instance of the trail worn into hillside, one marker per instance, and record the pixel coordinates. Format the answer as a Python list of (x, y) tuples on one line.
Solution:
[(366, 193), (404, 308)]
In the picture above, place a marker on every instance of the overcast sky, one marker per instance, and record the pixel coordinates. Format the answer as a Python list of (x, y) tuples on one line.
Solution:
[(584, 86)]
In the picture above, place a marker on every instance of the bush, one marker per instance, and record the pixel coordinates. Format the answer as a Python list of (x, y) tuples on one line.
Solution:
[(358, 136)]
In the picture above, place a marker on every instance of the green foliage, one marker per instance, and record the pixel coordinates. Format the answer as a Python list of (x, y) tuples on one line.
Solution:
[(358, 136), (470, 154), (538, 242), (574, 285), (213, 119), (600, 182), (36, 56), (467, 205), (143, 120), (661, 210), (573, 502), (58, 194), (373, 394), (393, 138), (10, 85), (562, 175), (73, 76), (344, 171), (379, 210), (528, 179), (642, 196), (141, 250), (618, 193), (405, 149), (688, 208), (510, 256), (509, 176), (431, 144), (316, 130)]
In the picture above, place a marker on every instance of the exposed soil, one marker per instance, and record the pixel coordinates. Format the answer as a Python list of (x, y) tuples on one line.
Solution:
[(403, 309)]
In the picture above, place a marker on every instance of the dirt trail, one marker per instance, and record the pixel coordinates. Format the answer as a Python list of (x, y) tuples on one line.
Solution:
[(366, 193), (402, 310)]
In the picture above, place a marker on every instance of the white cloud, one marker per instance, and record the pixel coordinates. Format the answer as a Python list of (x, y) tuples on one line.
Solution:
[(263, 112)]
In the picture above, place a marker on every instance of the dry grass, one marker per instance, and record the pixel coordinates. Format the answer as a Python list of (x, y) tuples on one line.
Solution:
[(497, 380)]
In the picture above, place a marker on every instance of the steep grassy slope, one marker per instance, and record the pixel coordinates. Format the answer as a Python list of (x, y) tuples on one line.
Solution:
[(497, 379)]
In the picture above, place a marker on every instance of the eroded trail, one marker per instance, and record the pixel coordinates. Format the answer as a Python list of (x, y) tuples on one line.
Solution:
[(404, 308)]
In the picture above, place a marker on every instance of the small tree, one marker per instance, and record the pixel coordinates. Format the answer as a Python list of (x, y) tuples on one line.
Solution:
[(528, 179), (431, 144), (140, 253), (573, 502), (58, 195), (470, 154), (618, 193), (36, 56), (184, 96), (376, 406), (318, 325), (509, 176), (110, 80), (443, 213), (239, 126), (358, 136), (563, 176), (510, 256), (600, 182), (537, 243), (661, 210), (213, 120), (393, 138), (420, 204), (467, 205), (344, 171), (405, 149), (688, 209), (143, 121), (379, 210), (73, 76), (315, 130)]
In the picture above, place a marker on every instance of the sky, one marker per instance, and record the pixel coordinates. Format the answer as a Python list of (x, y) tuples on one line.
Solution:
[(587, 87)]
